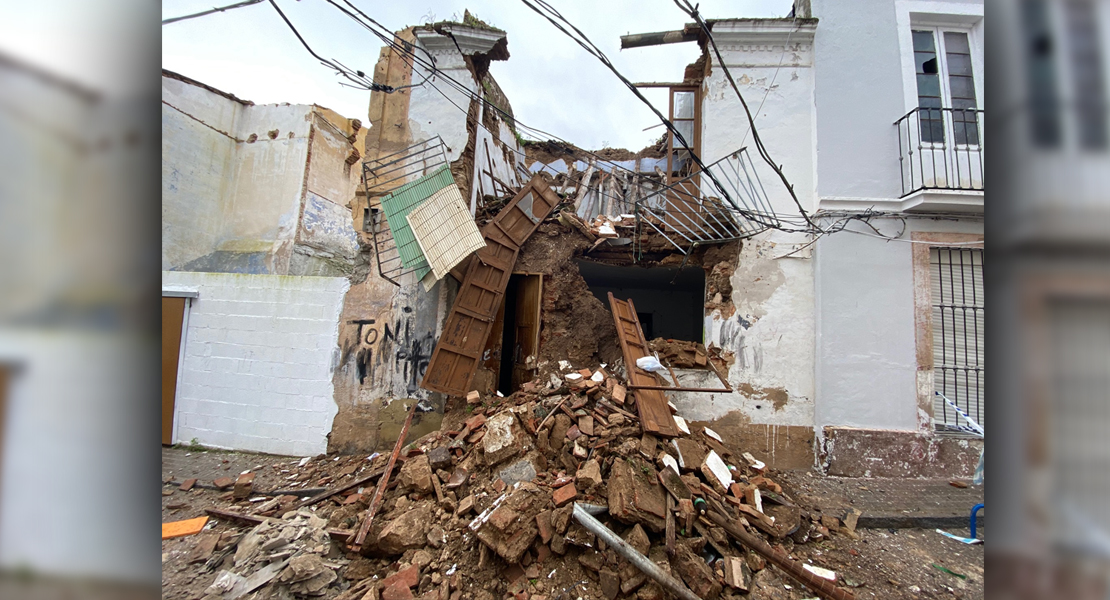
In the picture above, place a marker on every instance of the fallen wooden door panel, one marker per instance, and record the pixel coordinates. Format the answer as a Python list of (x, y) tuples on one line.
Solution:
[(459, 350), (655, 415)]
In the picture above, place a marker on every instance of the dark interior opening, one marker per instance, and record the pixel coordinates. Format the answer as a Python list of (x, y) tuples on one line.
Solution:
[(519, 329), (669, 303), (508, 340)]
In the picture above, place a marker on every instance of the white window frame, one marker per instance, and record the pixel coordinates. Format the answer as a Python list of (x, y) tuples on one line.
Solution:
[(945, 84), (923, 14)]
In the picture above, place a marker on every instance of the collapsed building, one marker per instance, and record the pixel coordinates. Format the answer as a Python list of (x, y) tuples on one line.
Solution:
[(307, 311)]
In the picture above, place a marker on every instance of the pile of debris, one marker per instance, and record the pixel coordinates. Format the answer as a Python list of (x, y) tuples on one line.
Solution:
[(505, 500)]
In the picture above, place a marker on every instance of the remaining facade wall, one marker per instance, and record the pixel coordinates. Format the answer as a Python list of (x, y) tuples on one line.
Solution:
[(771, 331), (387, 333), (254, 189), (259, 352)]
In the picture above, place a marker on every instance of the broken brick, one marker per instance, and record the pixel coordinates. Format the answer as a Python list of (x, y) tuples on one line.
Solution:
[(610, 583), (589, 475), (187, 485), (223, 483), (564, 494), (408, 577), (243, 486), (397, 592), (543, 523)]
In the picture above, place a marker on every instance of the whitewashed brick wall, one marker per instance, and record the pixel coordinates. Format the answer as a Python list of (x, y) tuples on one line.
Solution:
[(258, 359)]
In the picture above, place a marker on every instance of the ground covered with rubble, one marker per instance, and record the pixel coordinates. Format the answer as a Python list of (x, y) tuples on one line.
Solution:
[(483, 509)]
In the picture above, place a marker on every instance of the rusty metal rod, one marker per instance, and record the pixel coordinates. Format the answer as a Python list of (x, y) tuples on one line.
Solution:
[(822, 587), (339, 489), (336, 534), (360, 537), (665, 388)]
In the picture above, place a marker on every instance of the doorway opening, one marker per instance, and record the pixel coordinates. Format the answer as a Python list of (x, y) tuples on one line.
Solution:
[(516, 331), (670, 303)]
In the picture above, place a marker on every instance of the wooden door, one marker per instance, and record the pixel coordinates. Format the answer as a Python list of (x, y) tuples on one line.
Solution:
[(528, 299), (655, 415), (173, 313), (459, 350)]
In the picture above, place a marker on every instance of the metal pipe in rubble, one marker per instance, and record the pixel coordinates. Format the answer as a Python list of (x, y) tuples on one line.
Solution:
[(633, 556)]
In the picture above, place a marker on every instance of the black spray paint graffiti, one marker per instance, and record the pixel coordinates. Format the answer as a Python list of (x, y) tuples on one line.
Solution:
[(404, 352)]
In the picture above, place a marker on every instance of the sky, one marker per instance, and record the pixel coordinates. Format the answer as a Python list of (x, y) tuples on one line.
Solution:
[(552, 83)]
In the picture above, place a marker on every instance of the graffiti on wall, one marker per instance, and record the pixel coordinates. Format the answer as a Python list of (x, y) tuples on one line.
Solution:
[(394, 352)]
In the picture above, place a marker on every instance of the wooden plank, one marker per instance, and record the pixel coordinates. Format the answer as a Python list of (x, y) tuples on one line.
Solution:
[(481, 295), (655, 416)]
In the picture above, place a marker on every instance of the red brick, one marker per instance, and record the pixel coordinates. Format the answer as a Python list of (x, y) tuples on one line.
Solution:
[(243, 485), (543, 523), (223, 482), (188, 484), (564, 494), (737, 490), (408, 577), (352, 499), (476, 421), (397, 592)]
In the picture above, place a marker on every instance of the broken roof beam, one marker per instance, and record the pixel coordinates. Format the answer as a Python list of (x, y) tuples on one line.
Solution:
[(689, 33)]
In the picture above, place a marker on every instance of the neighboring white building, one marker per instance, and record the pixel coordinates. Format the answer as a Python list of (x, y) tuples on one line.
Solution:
[(874, 112)]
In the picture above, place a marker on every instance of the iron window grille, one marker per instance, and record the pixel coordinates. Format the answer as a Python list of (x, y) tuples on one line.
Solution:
[(958, 328)]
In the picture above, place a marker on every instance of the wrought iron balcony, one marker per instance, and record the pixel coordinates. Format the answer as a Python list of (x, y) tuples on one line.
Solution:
[(941, 149)]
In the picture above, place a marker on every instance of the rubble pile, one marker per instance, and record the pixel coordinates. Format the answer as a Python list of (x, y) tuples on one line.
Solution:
[(485, 508)]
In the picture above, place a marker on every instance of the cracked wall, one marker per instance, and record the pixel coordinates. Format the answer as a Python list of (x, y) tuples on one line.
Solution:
[(387, 332)]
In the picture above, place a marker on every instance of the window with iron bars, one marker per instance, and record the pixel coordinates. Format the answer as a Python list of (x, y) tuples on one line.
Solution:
[(956, 276)]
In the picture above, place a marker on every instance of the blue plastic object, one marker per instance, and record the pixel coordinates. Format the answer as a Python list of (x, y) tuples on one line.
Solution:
[(974, 510)]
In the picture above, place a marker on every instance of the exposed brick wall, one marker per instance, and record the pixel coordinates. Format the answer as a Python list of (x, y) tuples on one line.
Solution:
[(259, 353)]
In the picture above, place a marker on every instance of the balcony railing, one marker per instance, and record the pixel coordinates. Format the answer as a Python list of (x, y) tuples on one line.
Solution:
[(941, 149)]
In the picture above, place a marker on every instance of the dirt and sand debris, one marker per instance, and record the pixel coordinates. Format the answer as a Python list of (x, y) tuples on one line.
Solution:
[(482, 509)]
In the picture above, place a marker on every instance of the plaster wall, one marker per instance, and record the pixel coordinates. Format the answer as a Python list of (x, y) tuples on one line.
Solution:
[(867, 362), (433, 113), (859, 86), (771, 336), (198, 144), (243, 185), (771, 330), (776, 77), (259, 353)]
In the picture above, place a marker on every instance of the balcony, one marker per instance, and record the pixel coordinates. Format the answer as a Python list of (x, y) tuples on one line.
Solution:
[(940, 155)]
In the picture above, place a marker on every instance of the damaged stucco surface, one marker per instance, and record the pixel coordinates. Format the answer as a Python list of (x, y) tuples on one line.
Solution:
[(388, 332), (237, 179)]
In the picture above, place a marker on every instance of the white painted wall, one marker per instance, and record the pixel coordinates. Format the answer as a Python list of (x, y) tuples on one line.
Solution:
[(772, 331), (444, 112), (223, 189), (259, 354), (73, 444)]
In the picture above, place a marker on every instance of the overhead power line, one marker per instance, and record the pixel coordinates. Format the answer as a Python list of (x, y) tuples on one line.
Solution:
[(212, 11), (693, 12)]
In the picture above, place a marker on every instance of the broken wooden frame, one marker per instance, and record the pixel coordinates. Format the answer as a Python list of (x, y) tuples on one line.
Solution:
[(677, 388), (651, 404), (356, 540), (459, 349), (695, 210), (381, 176)]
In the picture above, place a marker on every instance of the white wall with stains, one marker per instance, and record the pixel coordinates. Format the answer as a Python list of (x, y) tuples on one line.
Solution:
[(771, 332), (238, 180)]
